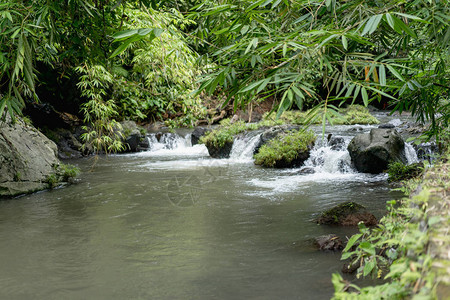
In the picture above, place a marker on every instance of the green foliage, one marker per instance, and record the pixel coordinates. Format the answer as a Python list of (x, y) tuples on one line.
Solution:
[(67, 172), (399, 172), (286, 147), (63, 173), (163, 68), (102, 131), (397, 249), (52, 181), (316, 53)]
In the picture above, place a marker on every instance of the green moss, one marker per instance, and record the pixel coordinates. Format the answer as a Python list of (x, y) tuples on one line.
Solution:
[(398, 171), (353, 114), (356, 114), (63, 173), (226, 132), (285, 148)]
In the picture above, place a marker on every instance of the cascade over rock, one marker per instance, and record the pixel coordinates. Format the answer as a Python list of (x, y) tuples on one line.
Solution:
[(27, 158), (371, 152)]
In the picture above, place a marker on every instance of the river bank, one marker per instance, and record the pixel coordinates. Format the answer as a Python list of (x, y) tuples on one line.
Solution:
[(411, 247)]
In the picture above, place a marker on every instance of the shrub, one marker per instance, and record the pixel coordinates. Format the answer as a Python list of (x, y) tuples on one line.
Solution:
[(399, 172)]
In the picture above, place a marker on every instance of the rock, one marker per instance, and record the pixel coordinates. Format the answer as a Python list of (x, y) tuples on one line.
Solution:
[(197, 134), (350, 267), (220, 152), (372, 152), (132, 136), (386, 126), (329, 242), (44, 115), (357, 128), (347, 214), (271, 133), (426, 151), (27, 159), (336, 143), (306, 170)]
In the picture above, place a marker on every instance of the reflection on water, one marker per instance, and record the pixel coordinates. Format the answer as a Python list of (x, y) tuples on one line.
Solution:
[(177, 225)]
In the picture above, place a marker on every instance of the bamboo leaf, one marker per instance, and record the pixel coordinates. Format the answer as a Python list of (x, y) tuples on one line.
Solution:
[(344, 42), (365, 96), (382, 71), (395, 73)]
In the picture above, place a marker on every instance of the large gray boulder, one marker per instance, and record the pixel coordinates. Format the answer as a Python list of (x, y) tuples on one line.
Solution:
[(372, 152), (27, 159)]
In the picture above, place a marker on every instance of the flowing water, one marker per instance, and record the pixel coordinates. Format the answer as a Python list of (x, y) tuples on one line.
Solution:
[(172, 223)]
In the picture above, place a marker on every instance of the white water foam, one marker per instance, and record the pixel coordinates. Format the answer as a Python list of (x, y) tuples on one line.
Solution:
[(411, 154), (243, 148), (172, 144)]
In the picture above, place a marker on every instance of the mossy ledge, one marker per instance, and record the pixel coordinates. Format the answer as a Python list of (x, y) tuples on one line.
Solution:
[(353, 114), (288, 150)]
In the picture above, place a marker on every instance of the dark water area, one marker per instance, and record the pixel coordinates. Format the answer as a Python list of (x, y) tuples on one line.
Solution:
[(176, 224)]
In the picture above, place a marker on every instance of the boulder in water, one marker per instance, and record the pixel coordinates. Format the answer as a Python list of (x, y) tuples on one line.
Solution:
[(386, 126), (28, 159), (272, 133), (329, 242), (287, 150), (336, 143), (347, 214), (372, 152), (197, 134), (222, 151)]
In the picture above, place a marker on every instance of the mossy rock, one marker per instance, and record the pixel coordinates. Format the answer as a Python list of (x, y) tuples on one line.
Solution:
[(347, 214), (287, 150)]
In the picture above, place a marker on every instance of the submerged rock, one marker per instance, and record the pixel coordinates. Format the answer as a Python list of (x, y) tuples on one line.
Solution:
[(330, 242), (372, 152), (27, 159), (347, 214)]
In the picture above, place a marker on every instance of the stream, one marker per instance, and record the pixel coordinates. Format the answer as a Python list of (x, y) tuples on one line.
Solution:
[(173, 223)]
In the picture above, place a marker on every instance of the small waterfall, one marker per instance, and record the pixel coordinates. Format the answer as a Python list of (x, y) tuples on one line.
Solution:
[(172, 144), (411, 154), (244, 146), (168, 141), (330, 157)]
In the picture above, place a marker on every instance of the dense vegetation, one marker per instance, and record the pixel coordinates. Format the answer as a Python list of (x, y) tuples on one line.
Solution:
[(140, 59), (161, 60)]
